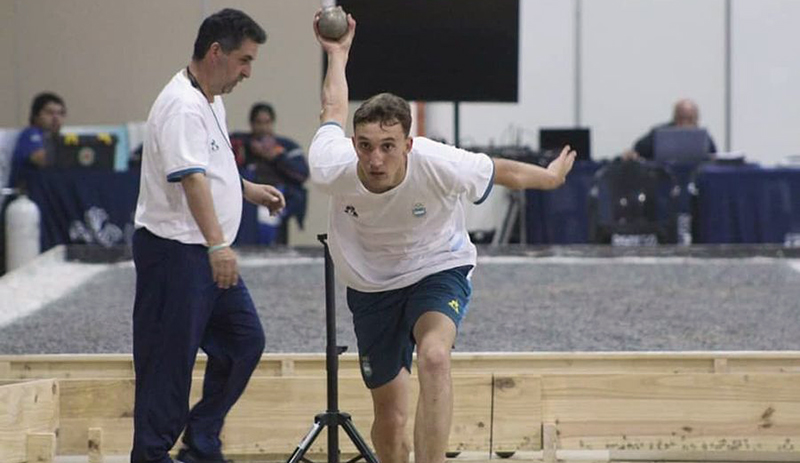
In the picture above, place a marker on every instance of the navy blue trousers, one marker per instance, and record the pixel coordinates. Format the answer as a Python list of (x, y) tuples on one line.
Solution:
[(179, 309)]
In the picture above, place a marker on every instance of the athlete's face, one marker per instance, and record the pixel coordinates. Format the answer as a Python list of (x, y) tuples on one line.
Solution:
[(382, 155)]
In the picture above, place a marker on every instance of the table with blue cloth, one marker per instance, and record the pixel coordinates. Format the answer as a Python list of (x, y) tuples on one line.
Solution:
[(735, 204), (747, 204), (561, 216), (97, 207)]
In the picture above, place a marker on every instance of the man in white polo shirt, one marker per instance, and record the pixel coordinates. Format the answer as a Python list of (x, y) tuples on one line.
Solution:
[(399, 242), (188, 291)]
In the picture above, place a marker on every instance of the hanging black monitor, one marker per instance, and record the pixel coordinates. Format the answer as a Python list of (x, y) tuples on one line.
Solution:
[(435, 50)]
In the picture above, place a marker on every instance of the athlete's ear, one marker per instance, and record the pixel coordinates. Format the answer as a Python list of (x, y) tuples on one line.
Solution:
[(409, 144)]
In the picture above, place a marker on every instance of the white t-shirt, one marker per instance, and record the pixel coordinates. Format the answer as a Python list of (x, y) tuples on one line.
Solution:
[(391, 240), (184, 135)]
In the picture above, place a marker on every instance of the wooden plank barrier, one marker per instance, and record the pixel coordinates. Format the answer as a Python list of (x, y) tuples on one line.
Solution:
[(40, 447), (517, 413), (680, 417), (708, 406), (95, 445), (95, 366), (272, 417), (28, 417), (105, 404)]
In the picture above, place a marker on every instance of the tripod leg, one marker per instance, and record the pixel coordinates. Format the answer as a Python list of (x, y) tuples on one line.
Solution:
[(357, 440), (305, 444)]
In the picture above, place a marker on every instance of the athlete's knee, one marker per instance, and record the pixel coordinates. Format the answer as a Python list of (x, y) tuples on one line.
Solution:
[(390, 422), (434, 358)]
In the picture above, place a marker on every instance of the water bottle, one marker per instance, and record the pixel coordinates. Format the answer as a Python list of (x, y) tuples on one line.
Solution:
[(22, 232)]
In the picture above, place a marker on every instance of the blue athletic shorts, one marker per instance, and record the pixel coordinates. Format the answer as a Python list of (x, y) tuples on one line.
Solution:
[(384, 321)]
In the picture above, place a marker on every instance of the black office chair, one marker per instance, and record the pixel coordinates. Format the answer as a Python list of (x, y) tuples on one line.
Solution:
[(634, 203)]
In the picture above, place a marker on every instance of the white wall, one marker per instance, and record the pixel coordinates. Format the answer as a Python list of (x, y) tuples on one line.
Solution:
[(637, 58), (8, 74), (766, 78)]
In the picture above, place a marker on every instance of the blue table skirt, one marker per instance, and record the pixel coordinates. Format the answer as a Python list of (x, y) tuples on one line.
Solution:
[(561, 216), (97, 207), (747, 204), (735, 204)]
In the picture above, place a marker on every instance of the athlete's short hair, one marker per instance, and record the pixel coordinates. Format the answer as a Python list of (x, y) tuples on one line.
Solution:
[(386, 109)]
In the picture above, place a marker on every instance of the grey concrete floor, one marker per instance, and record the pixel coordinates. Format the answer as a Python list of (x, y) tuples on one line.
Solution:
[(519, 304)]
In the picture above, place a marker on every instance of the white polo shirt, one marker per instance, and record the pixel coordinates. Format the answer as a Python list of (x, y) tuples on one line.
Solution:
[(185, 134), (391, 240)]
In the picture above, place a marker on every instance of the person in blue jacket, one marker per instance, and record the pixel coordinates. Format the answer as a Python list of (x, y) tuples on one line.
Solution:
[(275, 160), (35, 147)]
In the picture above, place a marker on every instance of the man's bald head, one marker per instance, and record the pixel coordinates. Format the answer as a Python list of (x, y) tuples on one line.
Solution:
[(686, 114)]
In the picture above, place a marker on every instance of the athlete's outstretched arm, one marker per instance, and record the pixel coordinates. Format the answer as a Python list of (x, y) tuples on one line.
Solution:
[(334, 87), (521, 176)]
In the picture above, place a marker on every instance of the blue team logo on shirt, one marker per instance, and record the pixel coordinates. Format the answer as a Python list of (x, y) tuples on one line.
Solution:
[(419, 210), (214, 145)]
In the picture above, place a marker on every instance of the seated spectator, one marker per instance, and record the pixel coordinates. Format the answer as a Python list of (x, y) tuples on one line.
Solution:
[(685, 114), (278, 161), (35, 148)]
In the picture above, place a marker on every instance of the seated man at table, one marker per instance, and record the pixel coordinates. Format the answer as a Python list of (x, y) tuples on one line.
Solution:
[(35, 148), (685, 114)]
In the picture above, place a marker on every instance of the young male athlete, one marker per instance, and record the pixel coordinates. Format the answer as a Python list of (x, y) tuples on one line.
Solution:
[(399, 242)]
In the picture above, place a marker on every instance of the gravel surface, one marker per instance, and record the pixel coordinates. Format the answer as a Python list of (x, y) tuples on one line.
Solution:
[(519, 304)]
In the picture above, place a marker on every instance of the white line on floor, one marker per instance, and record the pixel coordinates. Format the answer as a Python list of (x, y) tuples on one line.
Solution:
[(47, 278)]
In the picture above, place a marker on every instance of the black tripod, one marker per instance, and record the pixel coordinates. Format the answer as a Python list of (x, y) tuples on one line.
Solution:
[(332, 418)]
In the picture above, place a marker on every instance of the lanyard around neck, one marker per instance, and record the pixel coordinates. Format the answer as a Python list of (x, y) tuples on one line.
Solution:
[(196, 85)]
